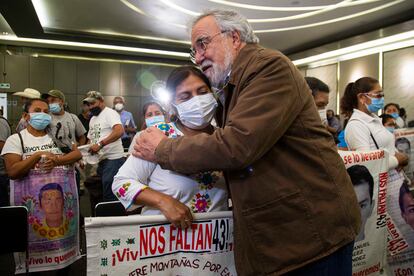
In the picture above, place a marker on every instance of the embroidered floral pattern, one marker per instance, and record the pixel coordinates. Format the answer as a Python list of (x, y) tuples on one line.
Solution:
[(168, 130), (201, 202), (122, 191)]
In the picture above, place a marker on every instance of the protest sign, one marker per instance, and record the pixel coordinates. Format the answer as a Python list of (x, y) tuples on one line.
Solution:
[(400, 207), (149, 245), (368, 173), (52, 203), (404, 141)]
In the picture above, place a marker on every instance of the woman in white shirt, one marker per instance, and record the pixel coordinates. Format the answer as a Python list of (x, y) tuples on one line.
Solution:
[(360, 103), (174, 195)]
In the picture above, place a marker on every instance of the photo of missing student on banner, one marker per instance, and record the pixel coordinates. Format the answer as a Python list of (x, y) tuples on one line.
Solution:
[(404, 143), (368, 173), (400, 223), (52, 203)]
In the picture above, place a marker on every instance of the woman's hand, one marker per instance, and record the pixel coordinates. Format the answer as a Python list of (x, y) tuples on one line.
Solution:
[(402, 159), (176, 212)]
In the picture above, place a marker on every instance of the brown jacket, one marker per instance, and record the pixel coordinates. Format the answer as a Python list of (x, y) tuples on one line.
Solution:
[(295, 204)]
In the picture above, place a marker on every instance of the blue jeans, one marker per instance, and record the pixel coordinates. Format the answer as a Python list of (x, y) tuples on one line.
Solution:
[(338, 263), (107, 169)]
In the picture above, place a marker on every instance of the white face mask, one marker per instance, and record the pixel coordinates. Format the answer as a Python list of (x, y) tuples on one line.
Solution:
[(322, 114), (119, 106), (197, 112)]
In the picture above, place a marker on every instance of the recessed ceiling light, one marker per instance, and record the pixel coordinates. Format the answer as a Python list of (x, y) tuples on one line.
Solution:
[(5, 33)]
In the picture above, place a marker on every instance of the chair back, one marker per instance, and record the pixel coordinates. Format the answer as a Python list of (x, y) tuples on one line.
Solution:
[(110, 209), (14, 233)]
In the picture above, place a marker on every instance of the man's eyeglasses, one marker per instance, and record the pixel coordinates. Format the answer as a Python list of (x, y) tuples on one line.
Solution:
[(375, 95), (201, 45)]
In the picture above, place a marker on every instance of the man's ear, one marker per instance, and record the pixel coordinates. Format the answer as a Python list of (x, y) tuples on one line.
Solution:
[(26, 116), (236, 39)]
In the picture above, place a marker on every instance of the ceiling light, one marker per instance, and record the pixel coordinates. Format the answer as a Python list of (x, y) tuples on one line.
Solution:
[(270, 8), (5, 33), (331, 20), (98, 46), (134, 8), (389, 43), (139, 36), (105, 60)]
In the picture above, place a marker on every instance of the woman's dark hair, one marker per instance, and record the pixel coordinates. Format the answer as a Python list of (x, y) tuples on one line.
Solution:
[(385, 118), (148, 104), (349, 100), (178, 75), (392, 104), (31, 101)]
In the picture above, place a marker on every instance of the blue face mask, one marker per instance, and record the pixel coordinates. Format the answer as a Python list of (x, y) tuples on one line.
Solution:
[(376, 104), (54, 108), (39, 120), (395, 115), (152, 121), (390, 129)]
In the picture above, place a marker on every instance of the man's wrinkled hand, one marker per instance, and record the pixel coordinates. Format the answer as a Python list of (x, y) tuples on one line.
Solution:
[(147, 142)]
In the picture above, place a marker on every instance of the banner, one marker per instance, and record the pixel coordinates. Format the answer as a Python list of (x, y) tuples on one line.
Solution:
[(400, 224), (368, 173), (52, 202), (148, 245), (404, 142)]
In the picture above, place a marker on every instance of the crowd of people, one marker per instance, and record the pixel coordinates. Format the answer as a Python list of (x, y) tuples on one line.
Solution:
[(273, 152)]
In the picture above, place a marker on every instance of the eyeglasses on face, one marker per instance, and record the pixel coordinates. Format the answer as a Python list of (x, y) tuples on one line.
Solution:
[(375, 95), (200, 46)]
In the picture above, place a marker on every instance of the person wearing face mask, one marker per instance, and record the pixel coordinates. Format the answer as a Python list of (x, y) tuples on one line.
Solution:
[(176, 196), (320, 94), (85, 116), (153, 114), (33, 151), (393, 109), (127, 121), (361, 101), (388, 122), (25, 96), (105, 132), (65, 127)]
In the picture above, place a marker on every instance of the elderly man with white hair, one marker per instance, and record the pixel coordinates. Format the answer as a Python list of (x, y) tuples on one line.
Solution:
[(295, 209)]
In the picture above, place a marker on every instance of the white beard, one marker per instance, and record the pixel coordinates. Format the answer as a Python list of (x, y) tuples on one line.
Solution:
[(217, 74)]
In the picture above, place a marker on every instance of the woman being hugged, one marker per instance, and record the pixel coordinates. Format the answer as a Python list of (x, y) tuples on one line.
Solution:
[(176, 196)]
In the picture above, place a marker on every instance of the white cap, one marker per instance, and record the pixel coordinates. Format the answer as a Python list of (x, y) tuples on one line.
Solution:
[(28, 93)]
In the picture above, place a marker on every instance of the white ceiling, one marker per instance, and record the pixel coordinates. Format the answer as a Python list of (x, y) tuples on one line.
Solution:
[(294, 23)]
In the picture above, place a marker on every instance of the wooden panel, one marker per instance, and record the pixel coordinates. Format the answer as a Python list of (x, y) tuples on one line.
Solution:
[(65, 76), (109, 78), (41, 74), (87, 74), (17, 72), (130, 79)]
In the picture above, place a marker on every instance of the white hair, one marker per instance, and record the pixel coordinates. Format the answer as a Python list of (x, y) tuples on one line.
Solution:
[(230, 20)]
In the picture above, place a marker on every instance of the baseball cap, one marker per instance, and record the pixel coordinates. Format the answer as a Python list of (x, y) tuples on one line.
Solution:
[(54, 93), (28, 93), (92, 96)]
